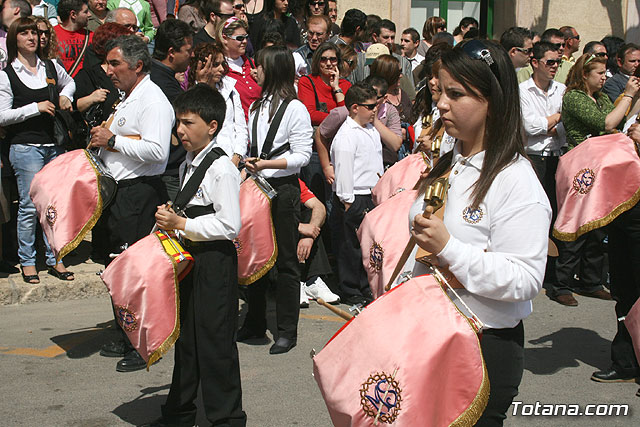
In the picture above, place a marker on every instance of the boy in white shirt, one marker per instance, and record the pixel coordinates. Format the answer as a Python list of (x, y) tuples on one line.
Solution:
[(356, 155), (206, 352)]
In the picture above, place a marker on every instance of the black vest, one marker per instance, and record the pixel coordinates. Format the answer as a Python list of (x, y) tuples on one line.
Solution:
[(36, 130)]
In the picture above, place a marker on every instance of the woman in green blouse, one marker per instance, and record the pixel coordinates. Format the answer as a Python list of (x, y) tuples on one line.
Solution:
[(586, 111)]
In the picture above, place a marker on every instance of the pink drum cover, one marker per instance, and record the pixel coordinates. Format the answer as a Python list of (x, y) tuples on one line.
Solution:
[(632, 322), (402, 176), (66, 195), (143, 285), (383, 234), (595, 182), (256, 243), (411, 353)]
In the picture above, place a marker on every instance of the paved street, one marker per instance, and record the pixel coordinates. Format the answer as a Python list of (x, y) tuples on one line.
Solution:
[(52, 374)]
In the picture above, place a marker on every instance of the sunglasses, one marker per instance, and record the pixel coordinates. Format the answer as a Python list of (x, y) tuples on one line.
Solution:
[(316, 4), (312, 34), (551, 62), (369, 107), (350, 62), (525, 51), (132, 27), (331, 59), (224, 16), (45, 32), (601, 54), (239, 6), (476, 49), (557, 45), (239, 38), (577, 37)]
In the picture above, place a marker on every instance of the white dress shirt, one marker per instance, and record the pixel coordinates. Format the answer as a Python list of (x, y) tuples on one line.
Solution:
[(356, 155), (220, 187), (536, 106), (415, 61), (8, 115), (51, 15), (300, 65), (233, 138), (146, 113), (295, 129), (498, 251)]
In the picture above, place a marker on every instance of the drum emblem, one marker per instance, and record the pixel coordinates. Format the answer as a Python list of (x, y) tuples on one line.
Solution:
[(472, 216), (126, 318), (376, 256), (238, 245), (51, 215), (122, 121), (380, 397), (584, 180)]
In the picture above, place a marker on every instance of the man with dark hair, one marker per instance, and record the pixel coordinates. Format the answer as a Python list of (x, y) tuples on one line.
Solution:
[(214, 11), (596, 48), (410, 40), (172, 53), (11, 10), (351, 29), (73, 36), (385, 32), (571, 42), (134, 146), (517, 42), (628, 59), (317, 33), (555, 37)]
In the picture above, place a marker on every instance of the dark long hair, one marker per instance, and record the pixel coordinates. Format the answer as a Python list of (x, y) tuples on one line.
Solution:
[(279, 74), (315, 60), (504, 138), (18, 26)]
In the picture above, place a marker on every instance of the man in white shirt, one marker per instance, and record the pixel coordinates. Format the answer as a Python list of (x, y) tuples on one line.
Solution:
[(134, 145), (44, 9), (410, 40), (356, 154), (11, 10), (317, 33)]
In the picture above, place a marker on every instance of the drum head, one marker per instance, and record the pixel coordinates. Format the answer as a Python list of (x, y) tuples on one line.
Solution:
[(108, 187)]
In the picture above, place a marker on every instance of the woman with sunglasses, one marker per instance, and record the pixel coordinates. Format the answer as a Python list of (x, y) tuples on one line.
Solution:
[(26, 113), (311, 8), (234, 136), (232, 35), (493, 235), (48, 39), (276, 10), (349, 60), (323, 90)]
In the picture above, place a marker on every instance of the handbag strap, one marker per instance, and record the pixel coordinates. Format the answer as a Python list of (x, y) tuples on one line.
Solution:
[(190, 188), (52, 81), (79, 58), (315, 92), (266, 153)]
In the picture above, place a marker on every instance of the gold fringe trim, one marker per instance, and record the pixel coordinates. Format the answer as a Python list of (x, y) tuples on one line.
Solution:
[(598, 223), (173, 337), (472, 414), (274, 256), (89, 224)]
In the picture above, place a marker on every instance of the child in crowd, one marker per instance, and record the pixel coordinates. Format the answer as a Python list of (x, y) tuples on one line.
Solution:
[(206, 352), (356, 154)]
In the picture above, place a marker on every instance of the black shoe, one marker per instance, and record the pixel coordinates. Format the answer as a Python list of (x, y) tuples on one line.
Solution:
[(615, 375), (354, 300), (246, 334), (283, 345), (368, 297), (131, 362), (6, 267), (115, 349)]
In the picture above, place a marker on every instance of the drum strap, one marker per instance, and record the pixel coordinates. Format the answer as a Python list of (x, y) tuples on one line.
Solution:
[(266, 153), (189, 190), (196, 211)]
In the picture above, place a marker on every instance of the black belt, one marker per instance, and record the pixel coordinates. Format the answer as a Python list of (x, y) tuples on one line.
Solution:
[(205, 245), (129, 182), (280, 180), (196, 211)]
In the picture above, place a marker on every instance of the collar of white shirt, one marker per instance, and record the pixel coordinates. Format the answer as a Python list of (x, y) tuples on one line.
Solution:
[(475, 160), (136, 93), (354, 125), (194, 161), (530, 85), (19, 67)]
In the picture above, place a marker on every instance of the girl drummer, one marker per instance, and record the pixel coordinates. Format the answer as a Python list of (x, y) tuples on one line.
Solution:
[(493, 238)]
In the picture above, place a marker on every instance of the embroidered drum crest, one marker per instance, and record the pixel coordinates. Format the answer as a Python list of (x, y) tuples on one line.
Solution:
[(472, 216), (238, 245), (376, 256), (126, 318), (380, 397), (51, 215), (584, 180)]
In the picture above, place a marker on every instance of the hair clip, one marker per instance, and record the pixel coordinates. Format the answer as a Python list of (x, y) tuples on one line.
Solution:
[(229, 22)]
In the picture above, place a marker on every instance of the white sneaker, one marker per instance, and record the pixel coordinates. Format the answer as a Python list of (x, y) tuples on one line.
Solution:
[(319, 289), (304, 300)]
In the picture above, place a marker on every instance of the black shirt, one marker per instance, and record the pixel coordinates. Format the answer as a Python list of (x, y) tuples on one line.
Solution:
[(202, 37), (88, 80)]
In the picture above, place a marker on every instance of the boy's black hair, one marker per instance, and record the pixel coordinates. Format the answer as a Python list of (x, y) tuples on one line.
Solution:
[(377, 82), (204, 101), (359, 93), (540, 48)]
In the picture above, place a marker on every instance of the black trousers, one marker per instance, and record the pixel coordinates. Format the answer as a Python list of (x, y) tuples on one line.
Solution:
[(624, 267), (131, 216), (351, 272), (503, 351), (584, 256), (318, 263), (285, 211), (206, 352)]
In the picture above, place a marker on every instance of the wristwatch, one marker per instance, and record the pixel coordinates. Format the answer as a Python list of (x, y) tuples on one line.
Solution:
[(112, 141), (339, 90)]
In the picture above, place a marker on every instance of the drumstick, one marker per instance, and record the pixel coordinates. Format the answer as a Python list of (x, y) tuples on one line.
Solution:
[(336, 310)]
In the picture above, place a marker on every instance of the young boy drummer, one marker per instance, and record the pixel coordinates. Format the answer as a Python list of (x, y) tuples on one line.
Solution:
[(356, 155), (206, 352)]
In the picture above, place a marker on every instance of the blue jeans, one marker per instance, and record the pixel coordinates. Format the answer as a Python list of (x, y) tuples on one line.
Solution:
[(27, 160)]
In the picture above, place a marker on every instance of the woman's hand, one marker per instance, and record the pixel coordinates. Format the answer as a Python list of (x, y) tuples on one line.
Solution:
[(430, 233), (633, 84), (47, 107), (167, 219), (204, 71), (99, 95), (329, 174), (65, 103), (334, 78)]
